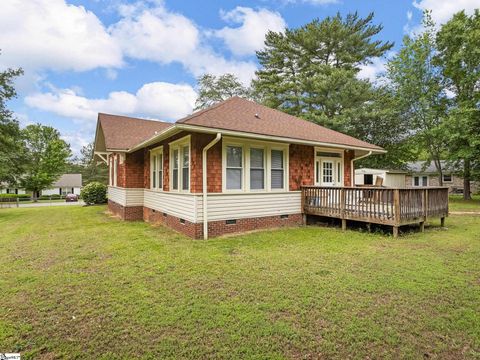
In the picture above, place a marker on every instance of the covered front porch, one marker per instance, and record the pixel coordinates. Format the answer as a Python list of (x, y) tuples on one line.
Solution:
[(387, 206)]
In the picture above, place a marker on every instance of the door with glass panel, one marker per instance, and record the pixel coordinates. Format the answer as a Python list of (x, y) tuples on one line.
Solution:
[(328, 169), (328, 174)]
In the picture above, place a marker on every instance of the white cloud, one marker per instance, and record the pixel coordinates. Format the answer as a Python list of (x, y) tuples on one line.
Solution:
[(250, 35), (442, 10), (50, 34), (156, 34), (160, 100), (375, 70)]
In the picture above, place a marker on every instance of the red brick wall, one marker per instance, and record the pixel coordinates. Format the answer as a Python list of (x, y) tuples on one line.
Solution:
[(301, 166), (218, 228), (347, 167), (126, 213), (156, 217)]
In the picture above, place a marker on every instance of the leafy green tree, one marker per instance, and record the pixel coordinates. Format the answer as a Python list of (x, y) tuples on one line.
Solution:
[(88, 166), (380, 122), (417, 84), (213, 89), (458, 44), (47, 154), (11, 146), (312, 71)]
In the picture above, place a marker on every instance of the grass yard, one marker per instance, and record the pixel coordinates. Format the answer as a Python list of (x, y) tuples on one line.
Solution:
[(78, 284), (458, 204)]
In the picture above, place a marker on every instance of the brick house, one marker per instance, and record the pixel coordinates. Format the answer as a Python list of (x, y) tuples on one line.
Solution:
[(423, 173), (238, 165)]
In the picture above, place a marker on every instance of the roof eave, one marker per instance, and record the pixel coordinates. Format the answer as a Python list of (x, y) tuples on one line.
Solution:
[(212, 130), (177, 127)]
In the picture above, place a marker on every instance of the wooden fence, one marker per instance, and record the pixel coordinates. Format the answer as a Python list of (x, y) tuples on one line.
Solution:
[(388, 206)]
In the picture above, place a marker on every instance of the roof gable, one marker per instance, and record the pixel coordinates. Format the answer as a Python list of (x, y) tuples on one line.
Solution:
[(122, 133)]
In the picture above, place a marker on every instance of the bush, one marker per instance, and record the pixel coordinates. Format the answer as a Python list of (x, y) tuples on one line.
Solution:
[(13, 197), (94, 193)]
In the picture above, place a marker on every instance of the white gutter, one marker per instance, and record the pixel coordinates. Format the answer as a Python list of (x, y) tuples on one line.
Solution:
[(352, 170), (204, 183)]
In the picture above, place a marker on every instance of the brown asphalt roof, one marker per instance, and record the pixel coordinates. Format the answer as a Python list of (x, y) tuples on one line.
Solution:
[(237, 114), (123, 133)]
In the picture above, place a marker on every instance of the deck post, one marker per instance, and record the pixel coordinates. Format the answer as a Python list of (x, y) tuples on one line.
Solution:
[(395, 231), (422, 226), (396, 211), (442, 221), (342, 209)]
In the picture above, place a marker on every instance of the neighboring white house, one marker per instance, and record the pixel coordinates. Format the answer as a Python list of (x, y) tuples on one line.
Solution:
[(390, 178), (12, 190), (67, 184)]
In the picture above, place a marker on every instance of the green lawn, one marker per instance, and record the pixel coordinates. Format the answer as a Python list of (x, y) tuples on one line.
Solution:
[(78, 284), (458, 204)]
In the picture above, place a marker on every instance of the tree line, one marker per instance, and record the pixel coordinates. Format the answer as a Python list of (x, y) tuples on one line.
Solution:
[(424, 107), (34, 157)]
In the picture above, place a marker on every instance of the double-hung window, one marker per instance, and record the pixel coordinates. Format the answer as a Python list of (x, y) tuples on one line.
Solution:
[(257, 169), (180, 164), (254, 166), (277, 169), (420, 181), (156, 169), (234, 167)]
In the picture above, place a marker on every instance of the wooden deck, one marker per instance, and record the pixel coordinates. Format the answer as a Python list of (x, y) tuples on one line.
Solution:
[(378, 205)]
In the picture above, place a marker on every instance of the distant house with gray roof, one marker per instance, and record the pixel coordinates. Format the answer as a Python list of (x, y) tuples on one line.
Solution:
[(66, 184)]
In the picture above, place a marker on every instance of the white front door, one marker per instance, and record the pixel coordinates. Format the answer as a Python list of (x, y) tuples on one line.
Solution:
[(328, 173)]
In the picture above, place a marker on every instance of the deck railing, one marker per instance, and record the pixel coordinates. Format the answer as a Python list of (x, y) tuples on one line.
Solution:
[(389, 206)]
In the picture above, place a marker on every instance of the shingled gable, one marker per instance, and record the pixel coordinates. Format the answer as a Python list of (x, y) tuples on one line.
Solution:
[(237, 114), (122, 133)]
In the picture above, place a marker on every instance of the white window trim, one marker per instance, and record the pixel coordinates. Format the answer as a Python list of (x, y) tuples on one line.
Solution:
[(110, 171), (447, 181), (335, 160), (246, 145), (178, 145), (115, 170), (156, 152), (419, 182)]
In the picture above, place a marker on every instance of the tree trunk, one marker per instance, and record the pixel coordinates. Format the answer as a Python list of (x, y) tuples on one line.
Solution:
[(34, 196), (466, 179), (438, 165)]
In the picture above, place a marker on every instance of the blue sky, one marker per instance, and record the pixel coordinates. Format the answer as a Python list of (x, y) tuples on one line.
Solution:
[(141, 58)]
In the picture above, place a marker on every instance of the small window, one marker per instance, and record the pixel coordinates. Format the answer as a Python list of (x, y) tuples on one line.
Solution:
[(283, 216), (160, 171), (182, 221), (447, 177), (175, 169), (416, 181), (420, 181), (185, 168), (339, 172), (367, 179), (154, 171), (277, 169), (234, 167), (257, 169), (231, 222)]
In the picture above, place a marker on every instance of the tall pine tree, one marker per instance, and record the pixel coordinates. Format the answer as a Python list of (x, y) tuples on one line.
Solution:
[(312, 71)]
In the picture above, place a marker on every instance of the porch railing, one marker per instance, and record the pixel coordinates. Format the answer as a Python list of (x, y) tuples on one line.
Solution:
[(389, 206)]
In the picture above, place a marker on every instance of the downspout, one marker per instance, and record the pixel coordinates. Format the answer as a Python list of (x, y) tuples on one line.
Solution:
[(204, 183), (352, 170)]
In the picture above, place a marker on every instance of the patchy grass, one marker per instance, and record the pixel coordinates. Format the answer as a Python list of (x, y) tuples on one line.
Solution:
[(456, 203), (78, 284)]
